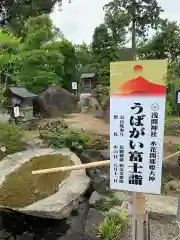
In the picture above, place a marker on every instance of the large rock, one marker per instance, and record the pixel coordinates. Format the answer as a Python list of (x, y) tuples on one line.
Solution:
[(174, 185), (96, 197), (35, 143), (99, 176), (56, 100), (60, 204), (94, 219), (162, 207), (101, 94), (107, 112), (77, 226)]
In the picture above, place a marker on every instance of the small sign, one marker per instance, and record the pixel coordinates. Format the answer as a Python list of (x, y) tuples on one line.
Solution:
[(178, 96), (137, 110), (16, 112), (74, 85)]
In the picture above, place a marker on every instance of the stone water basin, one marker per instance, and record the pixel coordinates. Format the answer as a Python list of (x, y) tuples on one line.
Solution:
[(49, 195)]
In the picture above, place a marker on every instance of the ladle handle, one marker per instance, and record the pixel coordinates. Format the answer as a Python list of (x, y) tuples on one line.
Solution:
[(71, 168)]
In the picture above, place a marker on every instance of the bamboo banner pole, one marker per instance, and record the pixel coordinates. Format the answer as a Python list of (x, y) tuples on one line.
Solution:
[(104, 163), (70, 168), (138, 199)]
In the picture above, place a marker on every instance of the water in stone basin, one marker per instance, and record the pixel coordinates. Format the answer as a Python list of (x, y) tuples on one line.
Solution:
[(21, 188)]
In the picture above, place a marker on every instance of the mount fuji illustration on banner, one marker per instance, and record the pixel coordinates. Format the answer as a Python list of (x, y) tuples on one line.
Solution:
[(140, 86)]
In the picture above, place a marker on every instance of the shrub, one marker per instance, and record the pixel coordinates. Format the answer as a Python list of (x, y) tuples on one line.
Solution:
[(168, 109), (101, 94), (49, 128), (102, 205), (59, 135), (172, 126), (98, 143), (115, 201), (105, 205), (166, 178), (10, 137), (73, 139), (111, 227)]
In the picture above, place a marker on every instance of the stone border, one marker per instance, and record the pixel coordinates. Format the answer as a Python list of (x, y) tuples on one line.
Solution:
[(60, 204), (161, 207)]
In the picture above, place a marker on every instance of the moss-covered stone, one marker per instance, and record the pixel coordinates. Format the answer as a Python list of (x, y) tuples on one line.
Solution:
[(21, 188)]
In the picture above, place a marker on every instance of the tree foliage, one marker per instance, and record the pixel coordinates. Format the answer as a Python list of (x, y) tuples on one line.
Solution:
[(68, 51), (9, 50), (102, 43), (112, 35), (146, 13), (83, 54), (165, 43), (14, 13), (173, 84), (104, 51), (39, 60), (35, 53), (117, 22)]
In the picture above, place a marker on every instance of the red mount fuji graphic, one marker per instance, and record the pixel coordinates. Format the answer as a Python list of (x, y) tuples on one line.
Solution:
[(141, 86)]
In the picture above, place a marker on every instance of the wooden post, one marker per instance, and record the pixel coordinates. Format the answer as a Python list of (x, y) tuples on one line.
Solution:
[(139, 217), (139, 212)]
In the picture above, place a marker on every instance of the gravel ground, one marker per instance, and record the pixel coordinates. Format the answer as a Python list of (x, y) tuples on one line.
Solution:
[(158, 231), (59, 230)]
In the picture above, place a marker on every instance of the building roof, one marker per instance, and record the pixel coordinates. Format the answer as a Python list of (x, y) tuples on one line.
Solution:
[(22, 92), (88, 75)]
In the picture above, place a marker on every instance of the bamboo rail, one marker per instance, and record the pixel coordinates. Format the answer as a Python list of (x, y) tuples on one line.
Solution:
[(104, 163), (70, 168)]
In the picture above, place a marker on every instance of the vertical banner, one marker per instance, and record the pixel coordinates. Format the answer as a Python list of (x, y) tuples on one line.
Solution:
[(137, 111)]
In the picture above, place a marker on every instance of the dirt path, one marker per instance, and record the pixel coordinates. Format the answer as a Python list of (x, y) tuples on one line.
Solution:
[(172, 139), (98, 126), (88, 123), (92, 125)]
